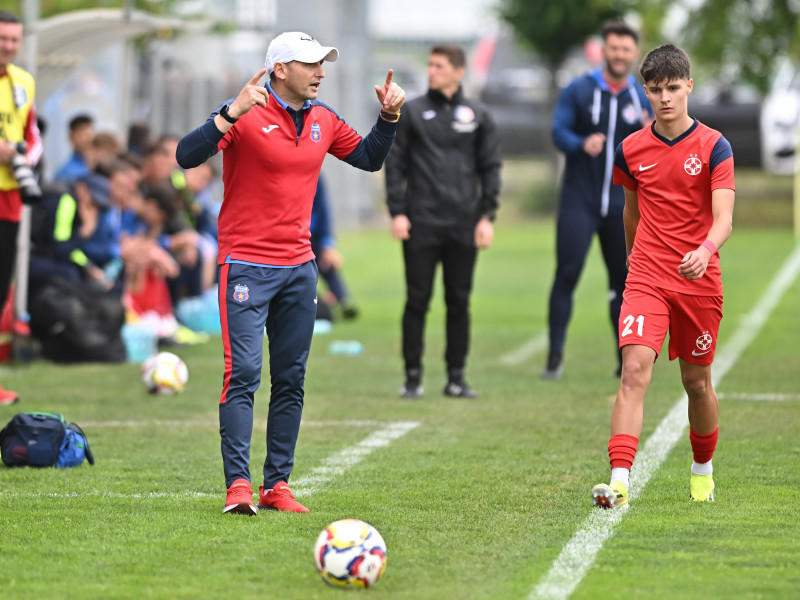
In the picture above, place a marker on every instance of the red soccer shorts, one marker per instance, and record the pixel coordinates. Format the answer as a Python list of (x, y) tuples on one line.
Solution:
[(648, 313)]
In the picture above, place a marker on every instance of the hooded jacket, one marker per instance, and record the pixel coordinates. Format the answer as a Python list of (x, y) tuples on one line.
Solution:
[(588, 106)]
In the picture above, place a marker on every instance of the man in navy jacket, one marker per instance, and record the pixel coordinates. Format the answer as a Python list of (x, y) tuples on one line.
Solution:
[(593, 115)]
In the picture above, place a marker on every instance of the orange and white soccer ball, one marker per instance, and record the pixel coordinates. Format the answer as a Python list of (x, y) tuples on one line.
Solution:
[(350, 553), (164, 373)]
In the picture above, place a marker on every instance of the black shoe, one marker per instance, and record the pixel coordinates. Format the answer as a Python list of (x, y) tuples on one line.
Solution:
[(412, 388), (459, 389), (555, 366), (349, 311)]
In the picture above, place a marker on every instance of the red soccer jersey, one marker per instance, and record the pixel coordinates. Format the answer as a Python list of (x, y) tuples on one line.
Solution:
[(265, 219), (674, 180)]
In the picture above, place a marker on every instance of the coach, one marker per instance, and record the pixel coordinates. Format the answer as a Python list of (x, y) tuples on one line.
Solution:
[(274, 140)]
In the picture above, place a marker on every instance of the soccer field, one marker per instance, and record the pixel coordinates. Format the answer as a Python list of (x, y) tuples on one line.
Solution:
[(484, 498)]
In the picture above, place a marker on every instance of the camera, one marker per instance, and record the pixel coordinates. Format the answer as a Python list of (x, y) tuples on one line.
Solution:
[(29, 189)]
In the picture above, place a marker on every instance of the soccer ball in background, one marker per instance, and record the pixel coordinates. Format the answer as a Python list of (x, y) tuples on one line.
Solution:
[(164, 373), (350, 553)]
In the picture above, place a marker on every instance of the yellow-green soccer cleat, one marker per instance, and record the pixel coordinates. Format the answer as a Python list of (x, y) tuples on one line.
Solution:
[(701, 488), (613, 495)]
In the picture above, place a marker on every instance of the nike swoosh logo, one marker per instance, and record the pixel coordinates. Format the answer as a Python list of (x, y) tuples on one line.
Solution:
[(643, 168), (269, 128), (696, 353)]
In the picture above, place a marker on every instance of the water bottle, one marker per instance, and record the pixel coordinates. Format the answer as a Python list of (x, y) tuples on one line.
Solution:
[(112, 270), (346, 347)]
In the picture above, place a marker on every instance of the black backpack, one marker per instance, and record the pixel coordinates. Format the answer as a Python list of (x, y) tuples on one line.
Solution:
[(75, 323), (40, 439)]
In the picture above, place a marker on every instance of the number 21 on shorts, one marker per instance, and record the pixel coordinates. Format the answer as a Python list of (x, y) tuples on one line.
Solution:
[(629, 324)]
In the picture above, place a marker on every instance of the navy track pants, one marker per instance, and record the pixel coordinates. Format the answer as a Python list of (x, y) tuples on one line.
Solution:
[(284, 300)]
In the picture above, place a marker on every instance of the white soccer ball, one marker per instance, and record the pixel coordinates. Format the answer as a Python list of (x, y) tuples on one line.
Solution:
[(350, 553), (164, 373)]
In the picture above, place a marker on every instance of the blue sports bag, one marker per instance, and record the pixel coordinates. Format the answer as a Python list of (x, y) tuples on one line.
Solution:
[(43, 440)]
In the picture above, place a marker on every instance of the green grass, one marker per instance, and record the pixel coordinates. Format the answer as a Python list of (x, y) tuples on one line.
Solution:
[(475, 502)]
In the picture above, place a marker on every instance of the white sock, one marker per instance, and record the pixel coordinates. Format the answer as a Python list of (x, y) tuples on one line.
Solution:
[(702, 468), (620, 474)]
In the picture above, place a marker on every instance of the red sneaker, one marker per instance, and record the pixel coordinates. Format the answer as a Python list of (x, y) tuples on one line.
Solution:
[(240, 499), (7, 397), (279, 498)]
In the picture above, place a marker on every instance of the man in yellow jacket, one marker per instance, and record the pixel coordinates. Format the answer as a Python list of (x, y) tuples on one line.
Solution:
[(19, 138)]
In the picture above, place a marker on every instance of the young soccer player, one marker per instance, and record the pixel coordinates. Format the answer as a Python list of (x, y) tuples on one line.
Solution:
[(679, 195)]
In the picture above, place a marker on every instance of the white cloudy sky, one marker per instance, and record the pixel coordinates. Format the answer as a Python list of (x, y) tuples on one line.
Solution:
[(429, 18)]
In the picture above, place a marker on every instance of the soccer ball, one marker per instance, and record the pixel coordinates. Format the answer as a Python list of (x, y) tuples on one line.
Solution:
[(164, 373), (350, 553)]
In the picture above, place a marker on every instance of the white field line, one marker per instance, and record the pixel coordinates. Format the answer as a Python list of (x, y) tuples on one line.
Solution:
[(336, 464), (522, 353), (579, 553), (760, 397), (333, 466)]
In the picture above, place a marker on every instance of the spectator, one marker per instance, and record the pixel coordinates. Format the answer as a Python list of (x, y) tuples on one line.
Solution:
[(81, 133), (75, 236), (593, 115), (105, 149), (442, 183)]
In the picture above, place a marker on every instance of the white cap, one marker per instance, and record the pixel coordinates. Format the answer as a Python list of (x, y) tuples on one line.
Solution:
[(296, 45)]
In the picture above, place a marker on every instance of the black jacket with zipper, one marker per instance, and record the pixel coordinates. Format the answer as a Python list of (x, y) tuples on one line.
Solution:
[(444, 167)]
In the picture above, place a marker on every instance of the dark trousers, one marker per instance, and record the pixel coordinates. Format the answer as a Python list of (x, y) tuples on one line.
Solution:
[(283, 300), (333, 279), (574, 232), (8, 257), (455, 250)]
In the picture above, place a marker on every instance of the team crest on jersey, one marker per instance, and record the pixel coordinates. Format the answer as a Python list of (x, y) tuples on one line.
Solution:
[(630, 114), (693, 166), (316, 132), (20, 96), (464, 119), (241, 292)]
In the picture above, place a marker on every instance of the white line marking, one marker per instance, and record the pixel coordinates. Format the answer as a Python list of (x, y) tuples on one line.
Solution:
[(578, 555), (333, 466), (338, 463), (212, 422), (760, 397), (522, 353)]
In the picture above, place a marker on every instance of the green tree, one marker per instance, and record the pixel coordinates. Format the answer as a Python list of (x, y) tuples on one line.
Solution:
[(555, 27), (736, 40), (743, 38)]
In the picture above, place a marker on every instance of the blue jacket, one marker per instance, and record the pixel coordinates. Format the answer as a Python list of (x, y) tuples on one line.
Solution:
[(587, 106)]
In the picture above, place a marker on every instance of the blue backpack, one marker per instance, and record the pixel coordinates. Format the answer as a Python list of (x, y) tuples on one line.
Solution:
[(41, 439)]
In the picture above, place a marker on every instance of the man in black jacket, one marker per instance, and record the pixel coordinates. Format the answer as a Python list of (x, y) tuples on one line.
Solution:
[(442, 183)]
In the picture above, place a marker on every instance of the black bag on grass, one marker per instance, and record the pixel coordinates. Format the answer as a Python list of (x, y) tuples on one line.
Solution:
[(76, 323), (43, 440)]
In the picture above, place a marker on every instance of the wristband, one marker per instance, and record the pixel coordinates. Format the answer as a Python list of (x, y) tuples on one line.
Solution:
[(709, 245), (224, 114), (387, 116)]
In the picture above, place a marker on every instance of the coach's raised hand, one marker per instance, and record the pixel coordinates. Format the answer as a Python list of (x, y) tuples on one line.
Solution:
[(391, 96), (250, 95)]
